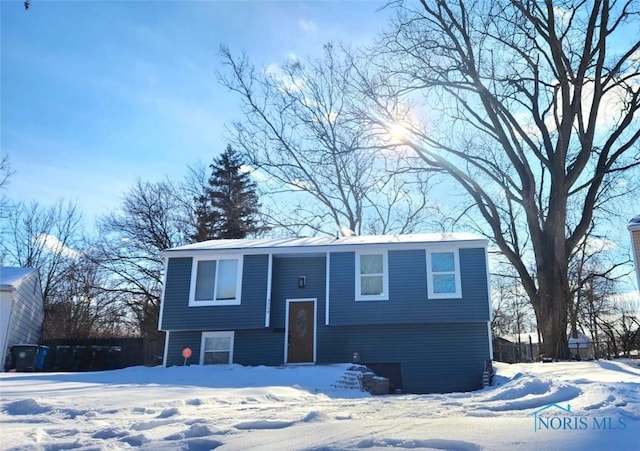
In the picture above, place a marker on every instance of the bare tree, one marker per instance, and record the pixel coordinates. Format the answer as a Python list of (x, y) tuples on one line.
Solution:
[(84, 310), (152, 218), (532, 111), (5, 173), (318, 158), (44, 238), (620, 325)]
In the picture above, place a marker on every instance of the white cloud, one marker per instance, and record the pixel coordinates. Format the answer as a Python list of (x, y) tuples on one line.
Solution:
[(308, 25), (53, 245), (595, 245), (256, 174), (284, 80)]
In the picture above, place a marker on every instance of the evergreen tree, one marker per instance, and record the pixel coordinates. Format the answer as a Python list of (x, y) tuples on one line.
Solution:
[(229, 206)]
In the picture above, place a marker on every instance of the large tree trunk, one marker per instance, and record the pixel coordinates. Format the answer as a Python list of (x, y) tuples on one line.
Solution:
[(551, 312)]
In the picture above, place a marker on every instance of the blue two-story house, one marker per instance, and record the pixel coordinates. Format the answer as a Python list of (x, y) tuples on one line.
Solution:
[(414, 308)]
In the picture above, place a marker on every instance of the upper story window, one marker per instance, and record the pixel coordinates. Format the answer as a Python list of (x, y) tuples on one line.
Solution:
[(372, 276), (443, 274), (215, 281)]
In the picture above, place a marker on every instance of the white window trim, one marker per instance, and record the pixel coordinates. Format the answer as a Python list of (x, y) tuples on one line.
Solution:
[(226, 333), (456, 258), (194, 275), (385, 276)]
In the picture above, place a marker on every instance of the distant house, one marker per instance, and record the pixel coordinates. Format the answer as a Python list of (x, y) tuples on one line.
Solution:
[(634, 229), (516, 348), (416, 308), (581, 346), (21, 308)]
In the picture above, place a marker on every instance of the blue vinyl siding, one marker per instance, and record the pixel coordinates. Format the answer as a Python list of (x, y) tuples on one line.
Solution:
[(440, 344), (250, 314), (435, 358), (408, 301), (180, 340), (286, 271), (250, 347), (259, 347)]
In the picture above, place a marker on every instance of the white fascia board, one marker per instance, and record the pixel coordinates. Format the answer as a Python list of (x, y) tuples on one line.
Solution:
[(323, 249)]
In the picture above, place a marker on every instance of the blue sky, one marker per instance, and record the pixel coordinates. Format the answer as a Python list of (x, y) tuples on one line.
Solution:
[(98, 94), (95, 95)]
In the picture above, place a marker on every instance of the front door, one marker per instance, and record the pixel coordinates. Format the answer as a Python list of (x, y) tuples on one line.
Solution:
[(300, 331)]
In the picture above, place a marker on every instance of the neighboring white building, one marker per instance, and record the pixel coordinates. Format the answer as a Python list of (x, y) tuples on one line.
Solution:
[(581, 346), (21, 308), (634, 229)]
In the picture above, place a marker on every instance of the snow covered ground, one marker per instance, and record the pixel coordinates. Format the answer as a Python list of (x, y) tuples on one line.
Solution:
[(240, 408)]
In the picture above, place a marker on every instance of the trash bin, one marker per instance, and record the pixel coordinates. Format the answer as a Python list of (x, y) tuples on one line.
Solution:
[(41, 358), (99, 357), (23, 357), (78, 359), (64, 358), (114, 358)]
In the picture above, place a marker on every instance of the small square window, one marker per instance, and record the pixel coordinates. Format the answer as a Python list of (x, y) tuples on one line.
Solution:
[(216, 348), (443, 275)]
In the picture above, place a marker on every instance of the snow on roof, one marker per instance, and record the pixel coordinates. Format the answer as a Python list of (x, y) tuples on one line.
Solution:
[(318, 242), (634, 223), (523, 338), (580, 339), (11, 277)]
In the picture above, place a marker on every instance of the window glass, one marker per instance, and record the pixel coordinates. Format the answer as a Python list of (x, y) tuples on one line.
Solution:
[(217, 348), (227, 278), (371, 285), (371, 277), (443, 262), (217, 343), (443, 275), (216, 358), (205, 280), (371, 264), (444, 283)]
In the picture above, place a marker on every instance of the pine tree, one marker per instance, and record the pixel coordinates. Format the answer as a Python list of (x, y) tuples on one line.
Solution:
[(229, 206)]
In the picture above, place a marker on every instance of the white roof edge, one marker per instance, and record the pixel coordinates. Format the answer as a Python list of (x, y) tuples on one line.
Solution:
[(634, 223), (322, 245), (12, 277)]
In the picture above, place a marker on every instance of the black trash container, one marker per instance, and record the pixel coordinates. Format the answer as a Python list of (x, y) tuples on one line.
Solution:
[(23, 357), (114, 360), (64, 358), (99, 357), (78, 361)]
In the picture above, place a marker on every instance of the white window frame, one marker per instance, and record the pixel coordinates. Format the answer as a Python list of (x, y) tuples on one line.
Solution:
[(456, 259), (226, 333), (385, 277), (194, 275)]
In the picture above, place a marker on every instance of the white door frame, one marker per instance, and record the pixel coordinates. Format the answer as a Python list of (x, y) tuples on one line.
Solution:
[(286, 330)]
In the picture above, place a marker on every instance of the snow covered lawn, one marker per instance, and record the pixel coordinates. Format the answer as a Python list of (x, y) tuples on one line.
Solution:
[(240, 408)]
